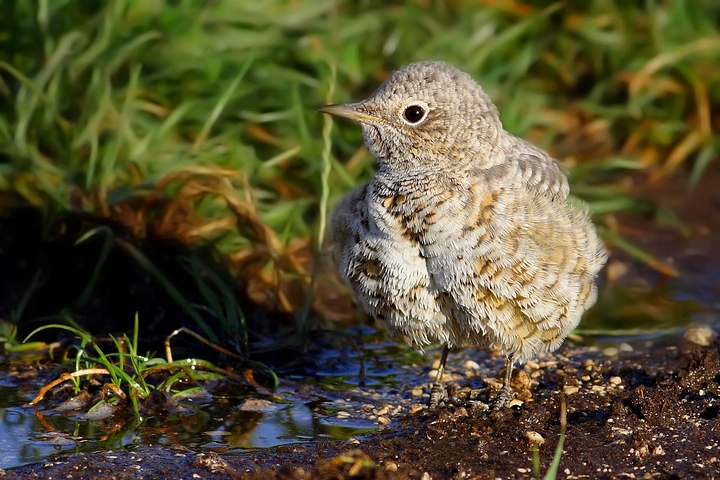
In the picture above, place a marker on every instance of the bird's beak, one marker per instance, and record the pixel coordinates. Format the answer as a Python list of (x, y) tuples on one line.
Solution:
[(351, 111)]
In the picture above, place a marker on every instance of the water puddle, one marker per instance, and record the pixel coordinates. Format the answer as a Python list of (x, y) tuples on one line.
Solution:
[(302, 409), (218, 424)]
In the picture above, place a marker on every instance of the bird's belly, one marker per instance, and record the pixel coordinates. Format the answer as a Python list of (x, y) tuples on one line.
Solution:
[(386, 268)]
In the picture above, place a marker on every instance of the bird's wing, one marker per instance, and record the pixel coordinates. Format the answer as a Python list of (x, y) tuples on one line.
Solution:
[(525, 167), (542, 173)]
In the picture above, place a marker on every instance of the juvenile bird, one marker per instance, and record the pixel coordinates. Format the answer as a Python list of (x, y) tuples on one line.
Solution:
[(465, 235)]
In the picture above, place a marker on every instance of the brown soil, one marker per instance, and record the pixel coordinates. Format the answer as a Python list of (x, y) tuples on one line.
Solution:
[(652, 413)]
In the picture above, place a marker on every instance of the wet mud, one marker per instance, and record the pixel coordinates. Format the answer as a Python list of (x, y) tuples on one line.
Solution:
[(649, 413)]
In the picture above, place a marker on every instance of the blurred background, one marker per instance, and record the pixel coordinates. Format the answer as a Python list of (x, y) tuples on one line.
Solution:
[(166, 157)]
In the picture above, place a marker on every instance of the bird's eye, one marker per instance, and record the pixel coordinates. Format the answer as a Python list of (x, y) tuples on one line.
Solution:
[(414, 113)]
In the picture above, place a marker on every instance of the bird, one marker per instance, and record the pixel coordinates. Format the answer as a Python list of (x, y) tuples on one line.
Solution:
[(466, 235)]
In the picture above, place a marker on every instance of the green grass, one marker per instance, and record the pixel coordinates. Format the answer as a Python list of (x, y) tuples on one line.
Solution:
[(197, 122), (129, 371)]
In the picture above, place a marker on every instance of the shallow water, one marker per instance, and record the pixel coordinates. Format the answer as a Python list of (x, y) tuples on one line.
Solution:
[(214, 425), (220, 422)]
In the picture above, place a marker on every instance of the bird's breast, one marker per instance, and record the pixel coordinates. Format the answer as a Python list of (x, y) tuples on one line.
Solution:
[(429, 216)]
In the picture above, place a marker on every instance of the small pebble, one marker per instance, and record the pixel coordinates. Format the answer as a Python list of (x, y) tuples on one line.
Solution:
[(383, 420), (470, 365), (534, 437), (257, 405), (570, 389), (641, 451), (391, 466), (700, 335), (626, 347), (384, 410), (532, 365), (515, 403), (553, 363), (610, 351), (445, 378), (416, 408), (588, 365), (615, 381), (417, 392)]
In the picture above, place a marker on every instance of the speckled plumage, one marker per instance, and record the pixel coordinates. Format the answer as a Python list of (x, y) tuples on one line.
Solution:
[(465, 236)]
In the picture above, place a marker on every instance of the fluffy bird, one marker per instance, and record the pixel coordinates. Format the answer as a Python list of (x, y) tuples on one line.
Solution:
[(465, 236)]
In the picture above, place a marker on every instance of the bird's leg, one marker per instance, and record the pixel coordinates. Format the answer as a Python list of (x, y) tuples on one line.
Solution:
[(437, 392), (505, 394)]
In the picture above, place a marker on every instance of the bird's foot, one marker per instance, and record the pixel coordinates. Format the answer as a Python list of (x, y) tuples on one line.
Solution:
[(502, 399), (438, 394)]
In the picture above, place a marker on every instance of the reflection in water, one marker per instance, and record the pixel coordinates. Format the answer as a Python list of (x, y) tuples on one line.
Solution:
[(287, 424), (25, 438), (220, 423), (217, 426)]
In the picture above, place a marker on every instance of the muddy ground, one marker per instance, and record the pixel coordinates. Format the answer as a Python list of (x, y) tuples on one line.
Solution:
[(649, 413)]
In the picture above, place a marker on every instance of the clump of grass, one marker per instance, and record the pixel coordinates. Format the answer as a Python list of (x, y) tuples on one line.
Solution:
[(129, 372)]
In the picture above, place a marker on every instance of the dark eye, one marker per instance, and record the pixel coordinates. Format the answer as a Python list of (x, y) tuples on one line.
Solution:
[(414, 113)]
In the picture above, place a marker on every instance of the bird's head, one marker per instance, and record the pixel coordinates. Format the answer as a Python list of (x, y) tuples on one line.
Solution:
[(426, 116)]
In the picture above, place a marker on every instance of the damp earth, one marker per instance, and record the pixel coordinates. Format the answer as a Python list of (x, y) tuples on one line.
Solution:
[(647, 411)]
